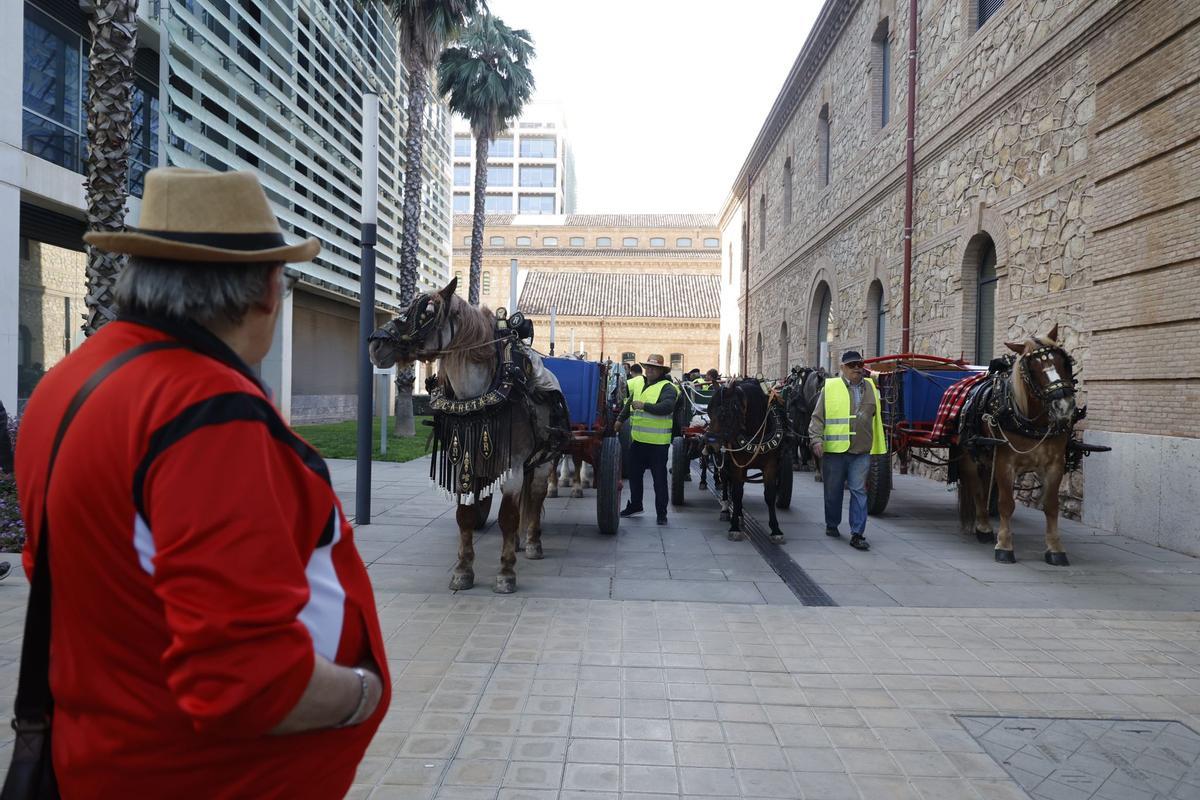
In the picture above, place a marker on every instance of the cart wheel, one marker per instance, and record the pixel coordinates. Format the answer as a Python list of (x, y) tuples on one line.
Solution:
[(783, 492), (679, 469), (879, 483), (608, 491), (482, 509)]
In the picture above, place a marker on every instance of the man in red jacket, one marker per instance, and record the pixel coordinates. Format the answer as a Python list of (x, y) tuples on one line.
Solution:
[(214, 632)]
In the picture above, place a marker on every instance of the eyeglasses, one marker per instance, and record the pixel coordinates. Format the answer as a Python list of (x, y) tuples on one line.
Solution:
[(854, 365)]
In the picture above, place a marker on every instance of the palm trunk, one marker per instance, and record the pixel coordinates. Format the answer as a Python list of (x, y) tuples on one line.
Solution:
[(481, 170), (418, 93), (113, 28)]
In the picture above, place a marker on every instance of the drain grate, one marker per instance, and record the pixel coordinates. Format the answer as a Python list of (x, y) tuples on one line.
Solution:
[(1093, 759), (805, 588)]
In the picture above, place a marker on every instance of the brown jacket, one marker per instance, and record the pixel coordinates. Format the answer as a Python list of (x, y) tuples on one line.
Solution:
[(863, 413)]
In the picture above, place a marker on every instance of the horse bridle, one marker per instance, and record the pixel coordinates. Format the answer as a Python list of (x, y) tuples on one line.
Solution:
[(419, 320), (1060, 386)]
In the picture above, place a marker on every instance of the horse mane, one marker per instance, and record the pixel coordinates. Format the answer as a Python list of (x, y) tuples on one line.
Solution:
[(1019, 391), (473, 328), (756, 403)]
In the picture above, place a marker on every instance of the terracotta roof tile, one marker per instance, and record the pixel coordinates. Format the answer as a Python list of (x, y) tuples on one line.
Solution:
[(607, 294)]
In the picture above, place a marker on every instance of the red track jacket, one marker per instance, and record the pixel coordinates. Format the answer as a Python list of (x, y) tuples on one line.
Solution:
[(199, 558)]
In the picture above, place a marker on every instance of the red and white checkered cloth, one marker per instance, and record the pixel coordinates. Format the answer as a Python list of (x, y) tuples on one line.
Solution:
[(945, 424)]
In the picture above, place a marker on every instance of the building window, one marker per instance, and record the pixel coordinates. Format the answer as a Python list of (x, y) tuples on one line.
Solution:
[(712, 243), (538, 176), (496, 241), (881, 72), (658, 241), (485, 282), (629, 241), (462, 145), (628, 358), (500, 148), (762, 222), (498, 204), (467, 241), (499, 176), (787, 192), (603, 241), (823, 147), (458, 275), (784, 366), (985, 305), (537, 204), (538, 147), (758, 350), (462, 174), (462, 204), (524, 241), (821, 328), (986, 10), (876, 319), (576, 241), (677, 362), (549, 241), (683, 242)]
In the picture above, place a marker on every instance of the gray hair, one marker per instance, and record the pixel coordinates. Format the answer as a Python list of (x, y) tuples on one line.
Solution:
[(206, 293)]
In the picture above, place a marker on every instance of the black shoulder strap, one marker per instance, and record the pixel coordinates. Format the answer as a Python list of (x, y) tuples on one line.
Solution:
[(34, 701)]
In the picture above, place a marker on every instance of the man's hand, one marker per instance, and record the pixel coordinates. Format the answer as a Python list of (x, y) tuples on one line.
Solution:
[(638, 405), (617, 426), (817, 449)]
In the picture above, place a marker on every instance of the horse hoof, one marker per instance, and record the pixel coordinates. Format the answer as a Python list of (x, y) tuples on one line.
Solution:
[(817, 477), (736, 536), (985, 536), (777, 538), (553, 492), (724, 516), (534, 551), (703, 485), (1057, 559), (505, 585), (462, 580), (577, 493), (1006, 557)]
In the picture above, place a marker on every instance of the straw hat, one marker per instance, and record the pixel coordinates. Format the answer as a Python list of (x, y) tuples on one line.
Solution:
[(197, 215), (654, 360)]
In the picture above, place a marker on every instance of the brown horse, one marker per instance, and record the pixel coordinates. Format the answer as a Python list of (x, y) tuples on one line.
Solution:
[(441, 325), (750, 432), (1025, 421)]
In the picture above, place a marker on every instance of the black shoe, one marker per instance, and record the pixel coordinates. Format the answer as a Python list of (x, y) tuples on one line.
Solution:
[(859, 542), (662, 520), (834, 532), (630, 511), (5, 568)]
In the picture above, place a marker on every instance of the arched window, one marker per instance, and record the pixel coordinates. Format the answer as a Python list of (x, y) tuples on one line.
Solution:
[(683, 242), (658, 241), (629, 241), (762, 222), (787, 192), (524, 241), (824, 151), (821, 328), (876, 319), (881, 74), (603, 241), (758, 369), (784, 364), (496, 241), (576, 241), (549, 241), (712, 243), (985, 305)]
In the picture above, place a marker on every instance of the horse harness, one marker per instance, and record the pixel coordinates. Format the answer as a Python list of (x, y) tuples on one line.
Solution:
[(769, 437)]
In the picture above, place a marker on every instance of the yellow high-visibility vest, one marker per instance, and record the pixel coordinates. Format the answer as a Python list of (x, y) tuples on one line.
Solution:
[(650, 428), (838, 428)]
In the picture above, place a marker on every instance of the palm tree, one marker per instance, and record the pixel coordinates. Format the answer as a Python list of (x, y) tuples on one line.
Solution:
[(423, 27), (113, 28), (487, 78)]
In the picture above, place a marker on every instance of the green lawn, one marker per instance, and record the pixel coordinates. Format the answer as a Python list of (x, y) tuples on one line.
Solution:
[(339, 440)]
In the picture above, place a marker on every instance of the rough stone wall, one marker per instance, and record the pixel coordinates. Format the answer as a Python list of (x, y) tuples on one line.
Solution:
[(49, 277)]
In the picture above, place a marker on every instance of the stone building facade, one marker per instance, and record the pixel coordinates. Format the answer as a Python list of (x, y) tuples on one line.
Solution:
[(1057, 171), (641, 283)]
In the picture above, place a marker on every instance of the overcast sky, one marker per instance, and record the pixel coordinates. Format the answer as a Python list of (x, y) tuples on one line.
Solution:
[(663, 97)]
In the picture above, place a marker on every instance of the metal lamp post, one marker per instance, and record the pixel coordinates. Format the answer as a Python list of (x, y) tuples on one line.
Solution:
[(366, 298)]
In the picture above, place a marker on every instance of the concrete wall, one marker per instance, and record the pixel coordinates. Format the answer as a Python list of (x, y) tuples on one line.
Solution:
[(324, 359)]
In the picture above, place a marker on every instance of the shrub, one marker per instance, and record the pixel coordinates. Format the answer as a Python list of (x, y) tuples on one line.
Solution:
[(12, 527)]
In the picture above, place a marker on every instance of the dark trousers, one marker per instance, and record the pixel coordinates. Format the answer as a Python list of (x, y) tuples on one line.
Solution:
[(644, 456)]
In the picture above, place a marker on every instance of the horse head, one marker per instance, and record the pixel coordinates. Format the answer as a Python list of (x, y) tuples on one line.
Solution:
[(420, 333), (1047, 374), (737, 409)]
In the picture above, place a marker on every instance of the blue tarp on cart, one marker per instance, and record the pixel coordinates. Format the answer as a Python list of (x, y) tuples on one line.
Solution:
[(923, 390), (580, 381)]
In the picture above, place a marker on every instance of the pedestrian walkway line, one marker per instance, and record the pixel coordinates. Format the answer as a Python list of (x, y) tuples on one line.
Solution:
[(807, 591)]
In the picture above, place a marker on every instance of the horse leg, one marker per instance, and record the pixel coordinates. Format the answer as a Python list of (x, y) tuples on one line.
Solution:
[(589, 475), (552, 480), (737, 486), (577, 485), (1004, 477), (724, 516), (771, 491), (510, 522), (1051, 481), (973, 484), (531, 517), (463, 576)]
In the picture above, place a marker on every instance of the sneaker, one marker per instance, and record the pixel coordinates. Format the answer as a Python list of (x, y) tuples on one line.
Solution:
[(834, 532), (630, 511), (662, 520)]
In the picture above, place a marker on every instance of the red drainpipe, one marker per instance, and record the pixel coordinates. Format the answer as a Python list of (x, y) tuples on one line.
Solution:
[(909, 169)]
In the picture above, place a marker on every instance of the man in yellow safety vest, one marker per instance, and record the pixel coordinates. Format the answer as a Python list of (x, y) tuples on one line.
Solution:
[(846, 430), (650, 408)]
